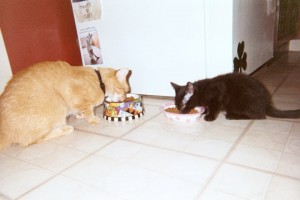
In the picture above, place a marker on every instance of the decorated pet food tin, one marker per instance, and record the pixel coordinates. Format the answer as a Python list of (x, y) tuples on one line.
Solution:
[(130, 109)]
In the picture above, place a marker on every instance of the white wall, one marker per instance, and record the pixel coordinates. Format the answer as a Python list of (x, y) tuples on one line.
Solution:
[(253, 22), (218, 36), (5, 70)]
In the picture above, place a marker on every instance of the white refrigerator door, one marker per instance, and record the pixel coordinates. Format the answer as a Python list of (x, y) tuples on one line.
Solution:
[(5, 70), (159, 40)]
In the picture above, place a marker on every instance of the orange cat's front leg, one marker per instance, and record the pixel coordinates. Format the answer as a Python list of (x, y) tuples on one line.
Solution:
[(87, 112), (93, 120)]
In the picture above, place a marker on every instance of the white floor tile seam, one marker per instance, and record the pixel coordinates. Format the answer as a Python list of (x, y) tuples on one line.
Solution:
[(60, 173), (157, 174), (35, 187), (224, 160), (210, 178), (183, 151), (3, 197), (269, 186), (28, 162), (267, 189), (55, 174), (275, 173), (279, 85), (140, 125), (67, 147), (225, 163), (244, 166), (285, 93), (234, 145), (74, 164), (170, 150), (126, 133), (51, 178), (297, 121), (286, 120)]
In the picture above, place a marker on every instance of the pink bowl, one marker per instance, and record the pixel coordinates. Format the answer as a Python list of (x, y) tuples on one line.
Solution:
[(182, 117)]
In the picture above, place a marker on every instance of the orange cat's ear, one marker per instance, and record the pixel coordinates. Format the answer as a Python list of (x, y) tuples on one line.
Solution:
[(122, 74)]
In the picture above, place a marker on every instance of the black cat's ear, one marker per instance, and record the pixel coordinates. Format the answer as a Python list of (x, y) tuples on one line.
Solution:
[(175, 86), (189, 88)]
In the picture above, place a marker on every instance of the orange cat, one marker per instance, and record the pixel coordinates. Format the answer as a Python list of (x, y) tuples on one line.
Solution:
[(37, 100)]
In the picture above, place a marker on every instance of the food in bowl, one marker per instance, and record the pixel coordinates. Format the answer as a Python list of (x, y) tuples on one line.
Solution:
[(129, 109), (176, 111), (171, 112), (129, 99)]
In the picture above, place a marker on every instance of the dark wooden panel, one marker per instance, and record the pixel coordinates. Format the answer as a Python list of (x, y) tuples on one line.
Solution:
[(38, 30)]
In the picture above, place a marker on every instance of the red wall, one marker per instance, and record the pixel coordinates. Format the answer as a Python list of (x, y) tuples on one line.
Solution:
[(38, 30)]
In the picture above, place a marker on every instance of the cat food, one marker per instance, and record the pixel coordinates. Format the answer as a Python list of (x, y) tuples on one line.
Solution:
[(129, 99), (176, 111)]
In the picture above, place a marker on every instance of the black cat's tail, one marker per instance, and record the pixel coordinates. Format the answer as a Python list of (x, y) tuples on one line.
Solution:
[(273, 112)]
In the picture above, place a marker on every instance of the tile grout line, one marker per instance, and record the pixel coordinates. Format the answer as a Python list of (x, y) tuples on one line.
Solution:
[(264, 171), (138, 126), (235, 145), (279, 85), (275, 173), (37, 166), (74, 164), (56, 174), (169, 149), (223, 161), (126, 133), (4, 196)]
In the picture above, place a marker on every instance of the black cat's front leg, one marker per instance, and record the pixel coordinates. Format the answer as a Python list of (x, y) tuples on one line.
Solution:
[(213, 110), (206, 110)]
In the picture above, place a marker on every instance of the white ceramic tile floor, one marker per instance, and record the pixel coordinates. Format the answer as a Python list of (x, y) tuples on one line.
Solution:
[(154, 158)]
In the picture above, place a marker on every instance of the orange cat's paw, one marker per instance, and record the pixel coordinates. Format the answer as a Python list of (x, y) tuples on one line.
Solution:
[(79, 116), (66, 129), (94, 120)]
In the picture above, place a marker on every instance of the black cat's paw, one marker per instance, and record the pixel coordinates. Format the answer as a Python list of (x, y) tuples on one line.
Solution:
[(228, 116), (209, 118)]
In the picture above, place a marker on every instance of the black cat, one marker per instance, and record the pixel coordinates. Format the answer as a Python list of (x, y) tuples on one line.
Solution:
[(239, 95)]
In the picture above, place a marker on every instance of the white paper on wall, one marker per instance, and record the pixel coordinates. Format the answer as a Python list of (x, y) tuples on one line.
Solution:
[(87, 15)]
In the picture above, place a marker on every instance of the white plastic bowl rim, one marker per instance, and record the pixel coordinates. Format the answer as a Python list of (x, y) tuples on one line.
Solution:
[(181, 117)]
